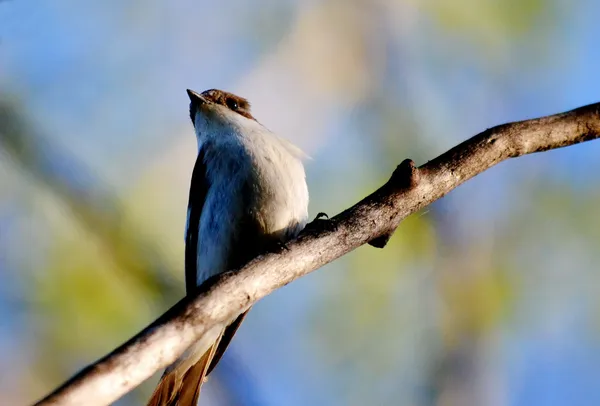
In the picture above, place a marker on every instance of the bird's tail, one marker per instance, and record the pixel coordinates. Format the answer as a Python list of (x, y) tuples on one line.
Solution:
[(180, 384)]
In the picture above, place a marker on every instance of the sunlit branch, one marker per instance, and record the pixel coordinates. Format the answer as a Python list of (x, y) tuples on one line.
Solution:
[(372, 220)]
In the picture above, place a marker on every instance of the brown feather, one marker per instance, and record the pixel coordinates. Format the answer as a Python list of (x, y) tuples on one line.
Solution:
[(180, 386), (165, 390)]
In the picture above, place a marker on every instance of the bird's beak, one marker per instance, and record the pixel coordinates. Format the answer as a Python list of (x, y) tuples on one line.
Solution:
[(195, 97)]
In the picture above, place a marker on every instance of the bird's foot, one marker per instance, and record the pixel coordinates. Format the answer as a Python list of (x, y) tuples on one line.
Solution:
[(278, 246), (321, 223)]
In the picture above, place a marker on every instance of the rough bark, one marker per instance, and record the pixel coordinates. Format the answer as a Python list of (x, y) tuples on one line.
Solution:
[(372, 220)]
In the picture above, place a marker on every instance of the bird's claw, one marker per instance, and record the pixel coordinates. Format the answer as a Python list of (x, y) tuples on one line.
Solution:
[(322, 222), (279, 246), (321, 215)]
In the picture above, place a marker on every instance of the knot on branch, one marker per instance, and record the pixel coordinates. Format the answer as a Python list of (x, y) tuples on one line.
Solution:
[(405, 176)]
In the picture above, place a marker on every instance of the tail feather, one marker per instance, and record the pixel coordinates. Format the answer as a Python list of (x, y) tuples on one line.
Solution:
[(165, 391), (181, 385)]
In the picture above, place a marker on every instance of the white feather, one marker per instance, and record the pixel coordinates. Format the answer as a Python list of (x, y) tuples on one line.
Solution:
[(239, 151)]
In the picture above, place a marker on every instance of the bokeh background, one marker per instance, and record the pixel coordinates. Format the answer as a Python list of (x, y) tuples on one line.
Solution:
[(488, 297)]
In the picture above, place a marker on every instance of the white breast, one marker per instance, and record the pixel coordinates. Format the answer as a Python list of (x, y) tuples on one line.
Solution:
[(277, 195)]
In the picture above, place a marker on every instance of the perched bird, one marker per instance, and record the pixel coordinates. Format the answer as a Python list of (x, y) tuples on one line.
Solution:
[(248, 195)]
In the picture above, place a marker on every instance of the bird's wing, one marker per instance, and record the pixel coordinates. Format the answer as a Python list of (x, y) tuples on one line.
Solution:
[(198, 190), (226, 338), (246, 248)]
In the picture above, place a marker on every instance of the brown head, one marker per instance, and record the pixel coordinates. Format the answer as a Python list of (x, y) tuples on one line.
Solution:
[(232, 102)]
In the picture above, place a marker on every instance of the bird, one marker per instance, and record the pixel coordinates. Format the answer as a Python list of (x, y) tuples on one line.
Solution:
[(248, 196)]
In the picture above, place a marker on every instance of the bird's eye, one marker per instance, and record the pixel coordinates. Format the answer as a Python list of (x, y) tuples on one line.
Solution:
[(232, 104)]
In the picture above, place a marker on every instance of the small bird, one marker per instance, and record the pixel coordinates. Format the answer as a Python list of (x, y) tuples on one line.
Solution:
[(248, 195)]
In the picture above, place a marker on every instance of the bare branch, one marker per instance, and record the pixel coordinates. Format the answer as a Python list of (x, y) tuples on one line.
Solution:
[(373, 220)]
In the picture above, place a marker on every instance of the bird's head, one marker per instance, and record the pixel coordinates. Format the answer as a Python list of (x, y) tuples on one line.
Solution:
[(218, 107)]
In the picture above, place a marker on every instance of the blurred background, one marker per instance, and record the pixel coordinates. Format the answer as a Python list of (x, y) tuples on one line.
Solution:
[(490, 296)]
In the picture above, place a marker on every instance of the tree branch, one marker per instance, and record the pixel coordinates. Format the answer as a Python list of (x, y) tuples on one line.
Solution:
[(373, 220)]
